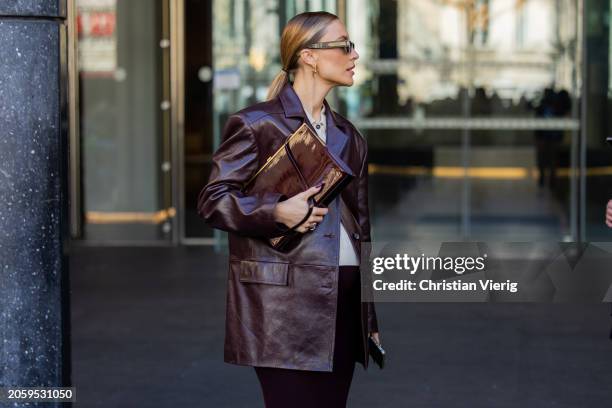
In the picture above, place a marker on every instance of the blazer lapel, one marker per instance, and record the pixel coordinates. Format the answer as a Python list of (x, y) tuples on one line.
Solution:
[(336, 136)]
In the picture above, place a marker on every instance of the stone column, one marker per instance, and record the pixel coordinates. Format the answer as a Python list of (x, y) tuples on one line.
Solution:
[(34, 295)]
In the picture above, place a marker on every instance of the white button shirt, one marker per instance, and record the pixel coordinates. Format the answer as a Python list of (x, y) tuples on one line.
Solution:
[(347, 251)]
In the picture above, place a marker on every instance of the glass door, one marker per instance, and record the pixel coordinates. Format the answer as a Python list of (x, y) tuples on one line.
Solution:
[(123, 70), (197, 147), (464, 105)]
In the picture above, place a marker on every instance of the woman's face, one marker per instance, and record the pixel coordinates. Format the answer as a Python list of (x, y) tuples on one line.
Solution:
[(333, 64)]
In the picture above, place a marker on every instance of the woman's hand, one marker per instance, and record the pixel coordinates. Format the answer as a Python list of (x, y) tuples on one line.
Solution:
[(292, 210), (375, 336)]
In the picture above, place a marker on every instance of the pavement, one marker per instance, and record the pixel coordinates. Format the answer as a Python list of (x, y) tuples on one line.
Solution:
[(148, 330)]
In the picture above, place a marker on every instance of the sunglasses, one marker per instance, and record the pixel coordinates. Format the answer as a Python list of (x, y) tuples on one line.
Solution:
[(346, 45)]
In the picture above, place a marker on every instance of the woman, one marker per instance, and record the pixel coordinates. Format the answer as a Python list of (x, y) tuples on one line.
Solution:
[(296, 316)]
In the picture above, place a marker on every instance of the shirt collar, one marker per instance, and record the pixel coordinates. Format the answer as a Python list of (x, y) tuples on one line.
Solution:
[(337, 131), (322, 117), (293, 108)]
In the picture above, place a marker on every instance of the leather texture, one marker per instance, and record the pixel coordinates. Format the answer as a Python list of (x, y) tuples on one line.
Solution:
[(281, 306), (302, 162)]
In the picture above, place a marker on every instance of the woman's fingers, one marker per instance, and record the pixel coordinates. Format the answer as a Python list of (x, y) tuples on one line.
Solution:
[(305, 228), (316, 215), (319, 211), (308, 225), (315, 218), (304, 195)]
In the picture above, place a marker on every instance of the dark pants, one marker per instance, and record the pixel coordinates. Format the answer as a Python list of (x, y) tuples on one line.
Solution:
[(300, 388)]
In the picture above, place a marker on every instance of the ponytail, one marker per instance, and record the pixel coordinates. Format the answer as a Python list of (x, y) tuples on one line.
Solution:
[(277, 84)]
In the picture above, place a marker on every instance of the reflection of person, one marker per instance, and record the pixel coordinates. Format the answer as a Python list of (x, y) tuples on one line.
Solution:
[(548, 142), (296, 316)]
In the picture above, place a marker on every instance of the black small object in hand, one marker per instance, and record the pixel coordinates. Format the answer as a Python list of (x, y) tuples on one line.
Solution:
[(377, 352)]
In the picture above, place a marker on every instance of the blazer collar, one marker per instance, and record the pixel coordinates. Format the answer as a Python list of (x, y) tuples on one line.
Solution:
[(292, 106)]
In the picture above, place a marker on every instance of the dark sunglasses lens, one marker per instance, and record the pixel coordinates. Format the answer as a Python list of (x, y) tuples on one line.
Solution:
[(350, 48)]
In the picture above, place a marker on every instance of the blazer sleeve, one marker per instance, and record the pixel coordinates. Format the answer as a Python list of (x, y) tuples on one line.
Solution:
[(221, 203), (364, 224)]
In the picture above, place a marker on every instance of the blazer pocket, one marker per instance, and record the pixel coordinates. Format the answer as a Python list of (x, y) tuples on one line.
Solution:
[(271, 273)]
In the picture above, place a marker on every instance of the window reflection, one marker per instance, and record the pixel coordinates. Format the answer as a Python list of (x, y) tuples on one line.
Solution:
[(120, 83), (459, 88), (469, 108)]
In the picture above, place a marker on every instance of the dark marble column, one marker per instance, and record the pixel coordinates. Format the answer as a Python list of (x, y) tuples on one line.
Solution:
[(34, 318)]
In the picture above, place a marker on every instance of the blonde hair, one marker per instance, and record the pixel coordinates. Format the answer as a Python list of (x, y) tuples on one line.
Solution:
[(302, 29)]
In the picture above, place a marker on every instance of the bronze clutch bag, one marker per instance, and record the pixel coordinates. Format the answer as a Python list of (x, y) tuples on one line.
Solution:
[(301, 162)]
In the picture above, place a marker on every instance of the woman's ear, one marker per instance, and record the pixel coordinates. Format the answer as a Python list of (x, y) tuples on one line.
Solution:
[(308, 58)]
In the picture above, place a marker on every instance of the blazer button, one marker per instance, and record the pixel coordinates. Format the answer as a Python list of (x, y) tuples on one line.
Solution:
[(328, 235), (355, 235)]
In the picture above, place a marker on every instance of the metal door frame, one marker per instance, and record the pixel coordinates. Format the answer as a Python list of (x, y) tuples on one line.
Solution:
[(170, 110)]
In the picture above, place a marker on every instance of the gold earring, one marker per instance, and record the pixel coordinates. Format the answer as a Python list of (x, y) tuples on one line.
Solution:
[(315, 69)]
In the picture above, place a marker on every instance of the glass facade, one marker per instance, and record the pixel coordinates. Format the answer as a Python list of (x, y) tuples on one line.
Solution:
[(470, 103), (485, 119), (123, 118)]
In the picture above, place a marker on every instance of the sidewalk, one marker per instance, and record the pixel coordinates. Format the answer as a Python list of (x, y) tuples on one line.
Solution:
[(148, 328)]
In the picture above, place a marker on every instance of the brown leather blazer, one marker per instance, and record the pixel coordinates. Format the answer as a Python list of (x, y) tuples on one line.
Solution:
[(281, 306)]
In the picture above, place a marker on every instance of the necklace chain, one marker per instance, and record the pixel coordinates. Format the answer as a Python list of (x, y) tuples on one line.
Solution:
[(318, 122)]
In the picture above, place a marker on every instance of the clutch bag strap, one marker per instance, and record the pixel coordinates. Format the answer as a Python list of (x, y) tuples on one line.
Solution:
[(310, 207)]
